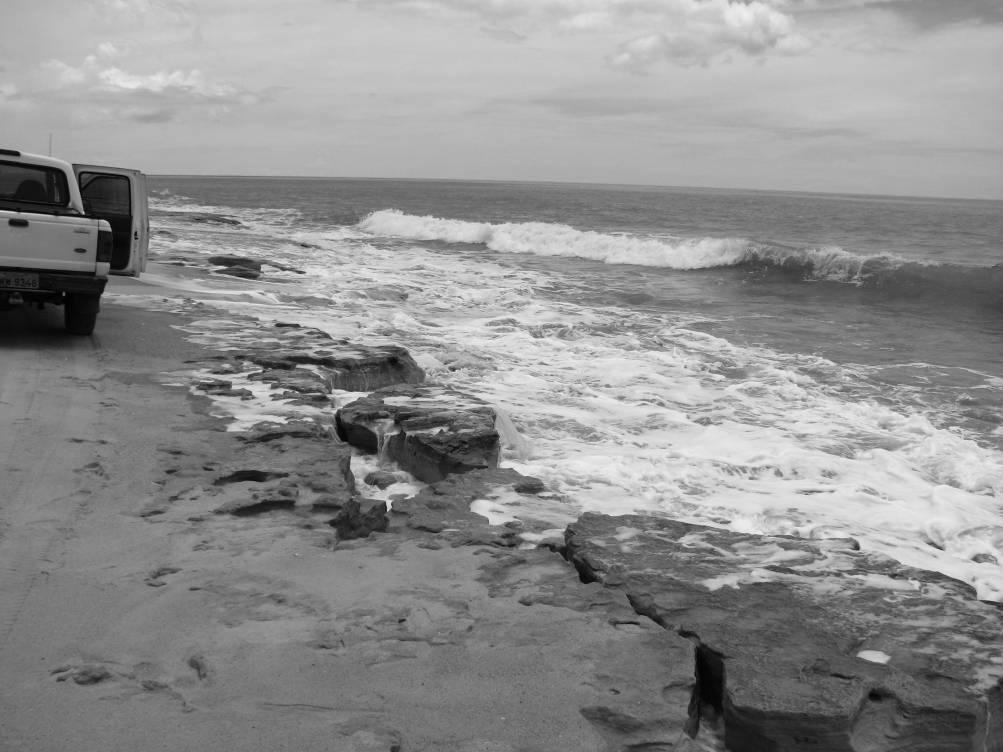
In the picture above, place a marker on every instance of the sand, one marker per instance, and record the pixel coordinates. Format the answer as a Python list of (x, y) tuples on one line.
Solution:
[(132, 618)]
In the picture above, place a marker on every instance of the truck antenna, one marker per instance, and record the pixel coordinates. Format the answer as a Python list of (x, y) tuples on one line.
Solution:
[(50, 144)]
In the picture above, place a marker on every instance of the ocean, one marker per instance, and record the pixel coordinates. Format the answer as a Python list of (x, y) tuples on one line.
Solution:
[(800, 364)]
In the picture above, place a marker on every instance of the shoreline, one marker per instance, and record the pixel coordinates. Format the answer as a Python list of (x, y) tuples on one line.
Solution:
[(152, 622), (208, 595)]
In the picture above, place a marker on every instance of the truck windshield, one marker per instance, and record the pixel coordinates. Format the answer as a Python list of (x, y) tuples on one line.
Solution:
[(34, 186)]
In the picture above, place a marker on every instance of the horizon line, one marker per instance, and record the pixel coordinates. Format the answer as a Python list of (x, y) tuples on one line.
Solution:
[(580, 183)]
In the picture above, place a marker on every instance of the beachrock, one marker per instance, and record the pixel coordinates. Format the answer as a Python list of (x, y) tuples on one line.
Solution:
[(380, 478), (303, 382), (337, 364), (208, 218), (264, 433), (430, 431), (222, 388), (275, 467), (248, 268), (809, 644), (237, 266), (282, 496), (354, 521), (443, 508), (236, 261)]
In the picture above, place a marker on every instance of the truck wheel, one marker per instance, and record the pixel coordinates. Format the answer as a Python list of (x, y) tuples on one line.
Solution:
[(80, 313)]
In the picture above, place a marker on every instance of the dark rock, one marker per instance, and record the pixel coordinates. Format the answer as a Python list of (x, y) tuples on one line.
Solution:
[(329, 503), (209, 385), (293, 379), (236, 261), (429, 431), (274, 467), (783, 629), (529, 486), (222, 388), (299, 398), (444, 508), (240, 271), (210, 218), (340, 364), (266, 432), (197, 218), (354, 522), (380, 478)]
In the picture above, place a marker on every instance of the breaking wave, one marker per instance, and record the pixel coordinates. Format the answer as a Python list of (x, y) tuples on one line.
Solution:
[(546, 239), (825, 263)]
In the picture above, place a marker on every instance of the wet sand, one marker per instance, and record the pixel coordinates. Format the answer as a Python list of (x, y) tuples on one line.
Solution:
[(134, 618)]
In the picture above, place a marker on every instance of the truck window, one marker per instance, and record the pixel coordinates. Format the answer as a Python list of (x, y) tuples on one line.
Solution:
[(33, 185), (110, 197), (106, 195)]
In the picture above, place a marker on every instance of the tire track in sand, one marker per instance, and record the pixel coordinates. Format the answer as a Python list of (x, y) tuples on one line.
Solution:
[(44, 445)]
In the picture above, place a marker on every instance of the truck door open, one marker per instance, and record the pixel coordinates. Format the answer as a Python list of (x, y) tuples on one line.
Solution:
[(119, 196)]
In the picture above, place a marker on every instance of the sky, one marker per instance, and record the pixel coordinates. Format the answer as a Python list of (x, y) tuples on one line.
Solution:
[(855, 96)]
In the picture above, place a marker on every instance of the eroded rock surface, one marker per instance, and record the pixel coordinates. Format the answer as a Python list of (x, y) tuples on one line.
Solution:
[(810, 644), (429, 431), (335, 364), (444, 508)]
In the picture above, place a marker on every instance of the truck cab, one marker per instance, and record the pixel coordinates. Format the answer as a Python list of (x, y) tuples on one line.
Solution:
[(64, 228)]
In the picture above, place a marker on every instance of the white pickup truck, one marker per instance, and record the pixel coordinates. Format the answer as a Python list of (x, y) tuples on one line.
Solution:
[(64, 228)]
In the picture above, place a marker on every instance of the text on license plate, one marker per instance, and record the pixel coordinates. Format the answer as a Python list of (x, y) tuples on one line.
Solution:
[(18, 280)]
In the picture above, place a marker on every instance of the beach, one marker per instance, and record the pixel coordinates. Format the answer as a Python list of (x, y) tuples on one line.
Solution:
[(133, 624), (330, 479)]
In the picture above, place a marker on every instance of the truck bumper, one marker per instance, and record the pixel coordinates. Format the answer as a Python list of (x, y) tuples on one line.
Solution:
[(72, 283), (51, 284)]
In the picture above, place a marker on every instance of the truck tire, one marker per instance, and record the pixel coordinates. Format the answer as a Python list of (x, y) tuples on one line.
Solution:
[(80, 312)]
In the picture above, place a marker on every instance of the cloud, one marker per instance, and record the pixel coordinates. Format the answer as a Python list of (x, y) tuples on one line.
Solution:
[(709, 29), (191, 85), (686, 32), (98, 90), (925, 15), (8, 93)]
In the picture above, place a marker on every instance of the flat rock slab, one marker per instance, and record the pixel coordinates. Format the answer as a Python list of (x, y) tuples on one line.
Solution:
[(275, 467), (443, 508), (810, 644), (336, 363), (430, 431)]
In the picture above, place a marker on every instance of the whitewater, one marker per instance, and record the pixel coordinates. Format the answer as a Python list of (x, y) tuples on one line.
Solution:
[(714, 357)]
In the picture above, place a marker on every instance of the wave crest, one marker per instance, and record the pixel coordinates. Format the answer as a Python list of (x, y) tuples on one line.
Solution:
[(828, 263), (548, 239)]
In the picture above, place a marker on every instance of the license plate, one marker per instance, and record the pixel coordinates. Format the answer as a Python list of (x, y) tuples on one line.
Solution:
[(18, 281)]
